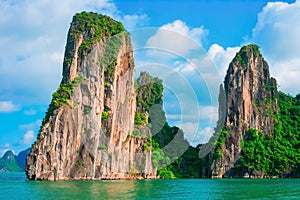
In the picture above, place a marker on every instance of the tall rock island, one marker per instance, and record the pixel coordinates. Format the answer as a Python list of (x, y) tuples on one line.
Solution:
[(250, 102), (87, 132)]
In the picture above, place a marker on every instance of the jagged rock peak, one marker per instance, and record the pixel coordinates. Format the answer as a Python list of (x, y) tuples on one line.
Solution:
[(250, 102), (87, 130), (249, 90)]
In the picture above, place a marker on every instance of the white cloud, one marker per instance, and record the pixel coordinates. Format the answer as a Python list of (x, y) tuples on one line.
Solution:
[(205, 134), (197, 128), (277, 33), (131, 21), (196, 135), (204, 77), (287, 74), (190, 130), (177, 37), (33, 36), (192, 79), (31, 126), (8, 107), (222, 57), (179, 26), (28, 138), (30, 112), (209, 113)]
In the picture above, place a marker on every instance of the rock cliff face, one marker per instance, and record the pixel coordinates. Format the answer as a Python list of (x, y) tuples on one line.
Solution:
[(250, 102), (87, 131)]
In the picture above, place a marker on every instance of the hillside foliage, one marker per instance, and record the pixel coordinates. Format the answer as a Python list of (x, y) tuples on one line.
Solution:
[(276, 154)]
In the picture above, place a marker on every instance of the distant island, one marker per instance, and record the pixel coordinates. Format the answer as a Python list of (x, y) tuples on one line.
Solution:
[(102, 124), (13, 163)]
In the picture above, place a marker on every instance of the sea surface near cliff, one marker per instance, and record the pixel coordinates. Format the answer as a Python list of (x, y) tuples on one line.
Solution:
[(16, 186)]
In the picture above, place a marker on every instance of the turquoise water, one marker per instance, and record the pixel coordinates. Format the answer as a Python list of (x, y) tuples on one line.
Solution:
[(15, 186)]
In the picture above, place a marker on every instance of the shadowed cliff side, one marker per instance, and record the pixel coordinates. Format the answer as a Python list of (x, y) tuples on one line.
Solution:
[(171, 152)]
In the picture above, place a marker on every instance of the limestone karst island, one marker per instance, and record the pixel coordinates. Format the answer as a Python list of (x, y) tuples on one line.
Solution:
[(99, 125)]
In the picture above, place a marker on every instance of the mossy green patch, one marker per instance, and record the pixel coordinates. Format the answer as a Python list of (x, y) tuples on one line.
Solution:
[(61, 97)]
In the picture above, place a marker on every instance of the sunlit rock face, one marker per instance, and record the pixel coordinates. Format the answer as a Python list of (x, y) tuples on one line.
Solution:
[(87, 131)]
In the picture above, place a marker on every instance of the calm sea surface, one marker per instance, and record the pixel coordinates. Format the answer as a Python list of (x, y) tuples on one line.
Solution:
[(15, 186)]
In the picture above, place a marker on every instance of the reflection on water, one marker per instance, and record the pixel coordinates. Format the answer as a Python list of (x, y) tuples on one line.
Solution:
[(15, 186)]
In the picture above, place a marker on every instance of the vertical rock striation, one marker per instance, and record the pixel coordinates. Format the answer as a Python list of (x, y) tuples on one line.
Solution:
[(86, 133), (250, 95)]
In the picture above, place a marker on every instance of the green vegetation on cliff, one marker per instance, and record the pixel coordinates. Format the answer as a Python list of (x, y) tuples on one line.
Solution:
[(149, 93), (171, 153), (93, 28), (149, 102), (61, 97), (97, 28), (242, 55), (273, 150), (275, 154), (219, 143)]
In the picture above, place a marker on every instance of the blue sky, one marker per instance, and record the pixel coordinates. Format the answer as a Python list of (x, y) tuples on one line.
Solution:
[(207, 33)]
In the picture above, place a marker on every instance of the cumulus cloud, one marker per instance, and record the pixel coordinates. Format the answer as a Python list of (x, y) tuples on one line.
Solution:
[(196, 135), (32, 39), (277, 33), (28, 137), (131, 21), (197, 128), (31, 126), (204, 77), (222, 57), (190, 76), (204, 135), (181, 27), (177, 37), (209, 113), (8, 107), (179, 47)]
